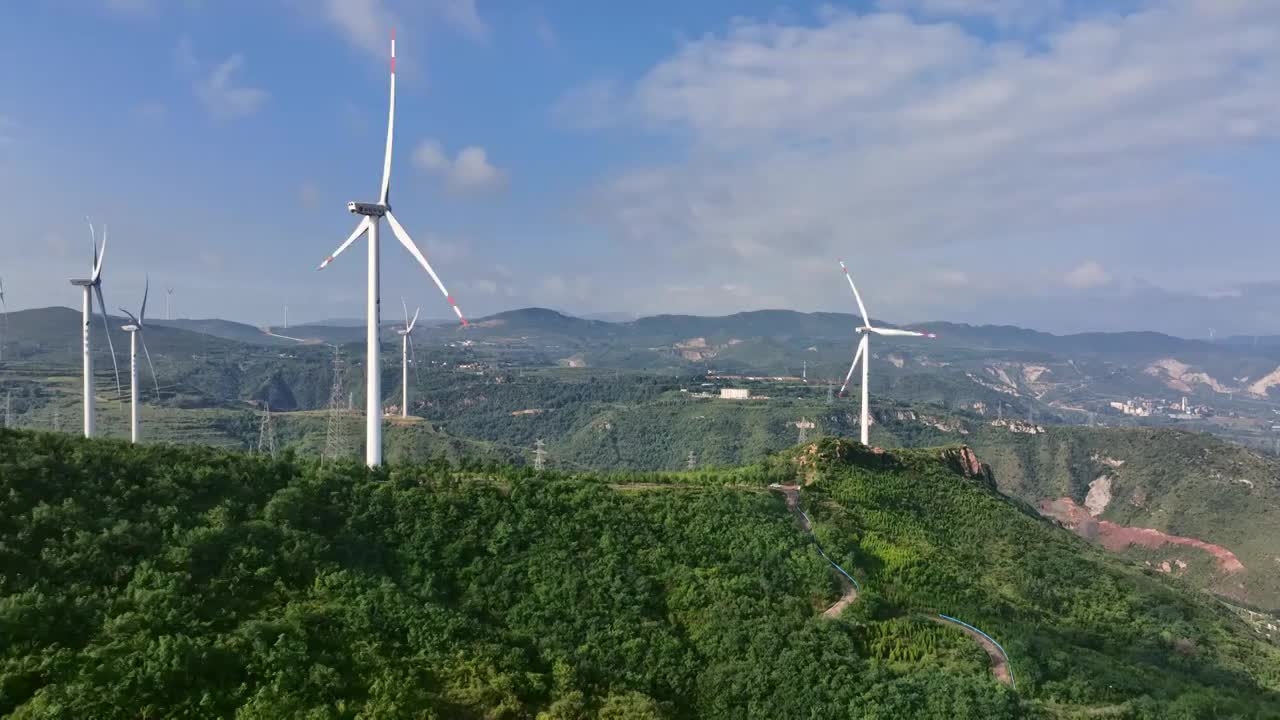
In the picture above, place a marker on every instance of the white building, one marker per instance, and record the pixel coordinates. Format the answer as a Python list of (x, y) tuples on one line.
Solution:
[(735, 394)]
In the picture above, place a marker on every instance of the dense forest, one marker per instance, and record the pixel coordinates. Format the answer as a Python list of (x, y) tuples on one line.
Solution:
[(162, 581)]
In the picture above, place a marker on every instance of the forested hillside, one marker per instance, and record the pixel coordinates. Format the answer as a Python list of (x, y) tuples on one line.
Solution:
[(157, 581)]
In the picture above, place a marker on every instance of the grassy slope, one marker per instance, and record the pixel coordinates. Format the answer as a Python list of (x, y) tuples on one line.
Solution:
[(1183, 484)]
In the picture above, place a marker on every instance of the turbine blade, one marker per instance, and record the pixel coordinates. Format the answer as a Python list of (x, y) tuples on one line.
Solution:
[(110, 345), (391, 125), (360, 228), (93, 240), (856, 356), (99, 257), (146, 289), (142, 337), (414, 321), (896, 332), (407, 242), (866, 319), (406, 313)]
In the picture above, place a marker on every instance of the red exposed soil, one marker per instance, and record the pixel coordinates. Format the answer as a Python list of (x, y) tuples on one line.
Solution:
[(1118, 537)]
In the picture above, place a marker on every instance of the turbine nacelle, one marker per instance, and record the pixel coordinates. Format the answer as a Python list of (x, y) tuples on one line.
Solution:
[(368, 209), (130, 328)]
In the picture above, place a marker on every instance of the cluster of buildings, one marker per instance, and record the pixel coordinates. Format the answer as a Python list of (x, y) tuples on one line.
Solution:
[(1143, 407)]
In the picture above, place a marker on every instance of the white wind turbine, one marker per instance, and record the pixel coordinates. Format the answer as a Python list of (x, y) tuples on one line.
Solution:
[(372, 215), (134, 329), (168, 303), (864, 354), (406, 341), (91, 286)]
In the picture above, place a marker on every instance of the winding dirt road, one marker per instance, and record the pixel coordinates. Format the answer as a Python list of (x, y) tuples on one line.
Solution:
[(999, 664), (792, 494)]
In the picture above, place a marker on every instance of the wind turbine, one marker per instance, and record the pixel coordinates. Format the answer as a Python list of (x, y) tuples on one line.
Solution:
[(168, 299), (92, 286), (864, 354), (134, 329), (372, 216), (406, 341)]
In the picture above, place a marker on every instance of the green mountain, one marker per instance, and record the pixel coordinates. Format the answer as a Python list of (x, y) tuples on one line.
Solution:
[(165, 581)]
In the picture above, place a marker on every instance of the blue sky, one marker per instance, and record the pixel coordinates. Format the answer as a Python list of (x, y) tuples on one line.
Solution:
[(1063, 165)]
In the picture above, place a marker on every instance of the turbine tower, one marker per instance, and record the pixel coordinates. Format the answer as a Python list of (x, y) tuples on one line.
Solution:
[(90, 287), (372, 214), (864, 354), (406, 341), (134, 328)]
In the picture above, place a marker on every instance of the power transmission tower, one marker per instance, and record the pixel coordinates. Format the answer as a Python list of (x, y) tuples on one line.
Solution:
[(693, 461), (335, 439), (831, 393), (266, 434), (57, 420), (805, 426), (539, 455)]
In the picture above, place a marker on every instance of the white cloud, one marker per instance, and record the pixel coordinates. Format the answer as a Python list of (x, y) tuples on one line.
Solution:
[(592, 105), (1089, 274), (909, 136), (367, 23), (429, 156), (470, 171), (1002, 12), (218, 86), (462, 16), (545, 31), (223, 97)]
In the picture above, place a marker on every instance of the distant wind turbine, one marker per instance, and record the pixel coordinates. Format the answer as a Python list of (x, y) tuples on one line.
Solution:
[(134, 328), (373, 214), (864, 354), (168, 303), (406, 342), (92, 286)]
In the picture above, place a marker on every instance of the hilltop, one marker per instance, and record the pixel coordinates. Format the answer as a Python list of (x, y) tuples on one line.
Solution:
[(162, 580)]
